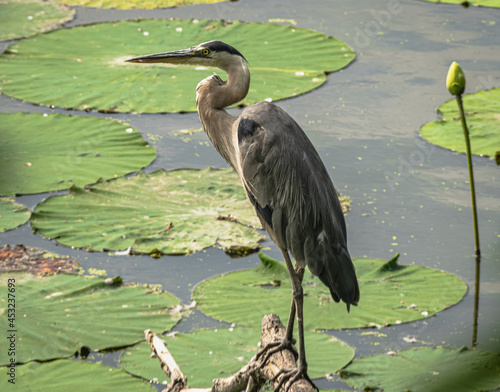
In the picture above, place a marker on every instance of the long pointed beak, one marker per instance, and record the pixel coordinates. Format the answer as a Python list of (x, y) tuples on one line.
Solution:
[(175, 57)]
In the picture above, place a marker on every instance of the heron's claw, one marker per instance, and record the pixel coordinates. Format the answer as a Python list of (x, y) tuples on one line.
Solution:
[(275, 347), (288, 377)]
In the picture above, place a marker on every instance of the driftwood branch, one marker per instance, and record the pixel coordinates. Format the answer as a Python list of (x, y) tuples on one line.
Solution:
[(249, 378)]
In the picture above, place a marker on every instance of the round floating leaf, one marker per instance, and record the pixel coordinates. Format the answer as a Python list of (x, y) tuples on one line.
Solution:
[(174, 212), (208, 354), (41, 153), (480, 3), (12, 214), (483, 120), (78, 376), (22, 18), (144, 4), (84, 67), (390, 294), (426, 369), (57, 315)]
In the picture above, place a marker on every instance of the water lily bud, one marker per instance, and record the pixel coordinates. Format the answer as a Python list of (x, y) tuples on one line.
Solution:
[(455, 81)]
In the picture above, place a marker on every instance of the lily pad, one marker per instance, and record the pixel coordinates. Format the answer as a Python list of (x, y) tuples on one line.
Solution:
[(23, 18), (482, 110), (208, 354), (174, 212), (84, 67), (144, 4), (12, 214), (478, 3), (56, 316), (69, 375), (426, 369), (390, 294), (48, 152)]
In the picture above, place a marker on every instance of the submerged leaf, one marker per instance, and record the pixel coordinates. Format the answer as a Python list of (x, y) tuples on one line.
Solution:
[(60, 314), (208, 354), (48, 152), (426, 370), (482, 110), (387, 295), (84, 67), (174, 212)]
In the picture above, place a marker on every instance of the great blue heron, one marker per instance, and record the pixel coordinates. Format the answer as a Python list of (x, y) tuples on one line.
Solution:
[(283, 177)]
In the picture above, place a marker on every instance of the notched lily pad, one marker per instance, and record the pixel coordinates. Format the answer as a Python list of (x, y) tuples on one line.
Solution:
[(174, 212), (390, 294), (23, 18), (84, 67), (482, 110), (79, 376), (49, 152), (426, 369), (62, 313), (12, 214), (208, 354)]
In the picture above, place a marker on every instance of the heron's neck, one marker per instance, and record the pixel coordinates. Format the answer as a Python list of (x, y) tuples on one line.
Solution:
[(212, 96)]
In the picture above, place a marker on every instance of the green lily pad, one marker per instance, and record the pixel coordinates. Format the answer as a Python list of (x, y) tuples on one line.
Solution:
[(144, 4), (482, 110), (12, 214), (390, 294), (208, 354), (57, 315), (48, 152), (478, 3), (174, 212), (84, 67), (23, 18), (69, 375), (426, 369)]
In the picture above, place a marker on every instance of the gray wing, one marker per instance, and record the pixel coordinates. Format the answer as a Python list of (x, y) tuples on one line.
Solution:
[(294, 197)]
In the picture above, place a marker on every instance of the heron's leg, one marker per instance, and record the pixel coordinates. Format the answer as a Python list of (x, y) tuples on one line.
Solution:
[(287, 342), (297, 308)]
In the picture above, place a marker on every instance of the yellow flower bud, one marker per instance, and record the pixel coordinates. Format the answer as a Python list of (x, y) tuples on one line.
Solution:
[(455, 81)]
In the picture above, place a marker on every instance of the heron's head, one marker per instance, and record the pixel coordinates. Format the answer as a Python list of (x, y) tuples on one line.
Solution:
[(210, 54)]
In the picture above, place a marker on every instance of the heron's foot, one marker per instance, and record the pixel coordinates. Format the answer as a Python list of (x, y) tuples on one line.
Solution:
[(288, 377), (275, 347)]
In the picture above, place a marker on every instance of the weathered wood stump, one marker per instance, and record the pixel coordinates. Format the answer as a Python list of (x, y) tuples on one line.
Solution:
[(249, 378)]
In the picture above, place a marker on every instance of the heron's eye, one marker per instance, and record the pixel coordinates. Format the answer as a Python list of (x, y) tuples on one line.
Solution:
[(205, 52)]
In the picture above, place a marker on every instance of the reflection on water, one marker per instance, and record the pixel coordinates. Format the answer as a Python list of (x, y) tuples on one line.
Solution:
[(476, 301)]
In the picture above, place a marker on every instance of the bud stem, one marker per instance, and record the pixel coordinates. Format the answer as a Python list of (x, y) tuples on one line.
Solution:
[(471, 173)]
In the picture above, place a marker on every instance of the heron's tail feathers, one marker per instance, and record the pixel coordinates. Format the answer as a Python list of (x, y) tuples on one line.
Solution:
[(338, 274)]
